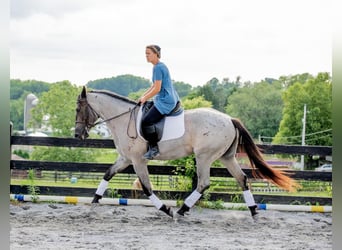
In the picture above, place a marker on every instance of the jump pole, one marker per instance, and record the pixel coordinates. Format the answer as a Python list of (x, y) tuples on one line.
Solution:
[(283, 207), (171, 203), (88, 200)]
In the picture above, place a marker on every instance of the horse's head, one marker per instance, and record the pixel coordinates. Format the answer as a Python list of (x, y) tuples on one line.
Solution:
[(85, 116)]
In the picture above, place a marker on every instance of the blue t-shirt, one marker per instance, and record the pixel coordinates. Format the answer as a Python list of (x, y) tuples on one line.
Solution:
[(165, 101)]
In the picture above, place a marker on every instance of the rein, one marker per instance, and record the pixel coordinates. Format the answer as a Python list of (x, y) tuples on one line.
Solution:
[(131, 118), (114, 117)]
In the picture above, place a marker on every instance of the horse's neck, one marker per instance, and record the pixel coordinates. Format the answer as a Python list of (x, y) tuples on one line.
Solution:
[(107, 106)]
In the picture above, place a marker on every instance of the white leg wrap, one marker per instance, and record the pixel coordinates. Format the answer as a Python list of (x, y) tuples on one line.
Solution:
[(192, 199), (249, 199), (102, 187), (155, 201)]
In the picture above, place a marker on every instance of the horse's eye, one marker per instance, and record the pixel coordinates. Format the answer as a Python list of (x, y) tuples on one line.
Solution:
[(78, 109)]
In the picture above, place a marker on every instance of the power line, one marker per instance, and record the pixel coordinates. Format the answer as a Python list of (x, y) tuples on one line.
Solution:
[(296, 136), (291, 142), (316, 138), (319, 132)]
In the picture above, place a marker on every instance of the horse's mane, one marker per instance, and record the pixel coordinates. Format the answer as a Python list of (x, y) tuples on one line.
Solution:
[(114, 95)]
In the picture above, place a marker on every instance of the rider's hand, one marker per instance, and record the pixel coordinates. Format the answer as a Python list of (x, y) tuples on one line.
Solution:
[(141, 100)]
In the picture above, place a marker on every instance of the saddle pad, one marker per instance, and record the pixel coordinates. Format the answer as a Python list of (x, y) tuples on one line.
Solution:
[(173, 126)]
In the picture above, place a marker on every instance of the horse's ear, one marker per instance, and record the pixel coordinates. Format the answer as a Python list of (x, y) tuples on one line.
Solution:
[(84, 92)]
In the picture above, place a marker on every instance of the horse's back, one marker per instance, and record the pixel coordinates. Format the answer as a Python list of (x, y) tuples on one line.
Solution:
[(207, 124), (208, 116)]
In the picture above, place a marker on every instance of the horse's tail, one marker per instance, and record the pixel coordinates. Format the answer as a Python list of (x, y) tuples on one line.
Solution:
[(254, 154)]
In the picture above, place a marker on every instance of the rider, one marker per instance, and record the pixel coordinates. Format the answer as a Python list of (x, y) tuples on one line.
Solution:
[(165, 99)]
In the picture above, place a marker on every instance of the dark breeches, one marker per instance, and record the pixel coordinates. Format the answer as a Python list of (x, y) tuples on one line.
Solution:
[(150, 118)]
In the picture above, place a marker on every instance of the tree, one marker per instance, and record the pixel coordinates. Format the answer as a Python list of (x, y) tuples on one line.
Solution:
[(19, 88), (59, 104), (18, 92), (196, 102), (316, 93), (122, 85), (17, 113), (287, 81), (258, 106), (217, 93), (183, 89)]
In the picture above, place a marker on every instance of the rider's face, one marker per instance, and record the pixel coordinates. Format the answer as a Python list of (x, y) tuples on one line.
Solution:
[(151, 56)]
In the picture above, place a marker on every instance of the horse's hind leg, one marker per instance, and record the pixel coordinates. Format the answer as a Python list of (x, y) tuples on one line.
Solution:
[(235, 170), (118, 166)]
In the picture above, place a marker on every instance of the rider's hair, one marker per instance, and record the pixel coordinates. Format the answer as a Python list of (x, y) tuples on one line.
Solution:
[(155, 48)]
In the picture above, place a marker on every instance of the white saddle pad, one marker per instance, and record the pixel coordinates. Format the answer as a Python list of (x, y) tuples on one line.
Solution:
[(173, 126)]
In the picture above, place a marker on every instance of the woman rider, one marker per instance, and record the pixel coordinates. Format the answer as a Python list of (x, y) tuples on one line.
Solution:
[(164, 96)]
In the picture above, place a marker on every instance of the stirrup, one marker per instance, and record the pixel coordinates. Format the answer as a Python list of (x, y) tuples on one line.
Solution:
[(152, 152)]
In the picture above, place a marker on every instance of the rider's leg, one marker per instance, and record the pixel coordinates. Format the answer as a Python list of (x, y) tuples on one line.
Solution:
[(151, 136), (152, 117)]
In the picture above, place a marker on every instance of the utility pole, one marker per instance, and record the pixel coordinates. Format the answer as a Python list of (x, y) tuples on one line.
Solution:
[(303, 138)]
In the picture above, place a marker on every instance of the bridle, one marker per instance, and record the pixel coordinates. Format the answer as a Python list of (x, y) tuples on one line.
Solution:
[(91, 125)]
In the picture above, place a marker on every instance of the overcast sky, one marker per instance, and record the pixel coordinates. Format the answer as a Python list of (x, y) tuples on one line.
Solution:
[(83, 40)]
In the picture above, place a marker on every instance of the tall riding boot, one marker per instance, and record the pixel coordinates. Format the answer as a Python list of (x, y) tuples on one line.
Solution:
[(151, 136), (153, 152)]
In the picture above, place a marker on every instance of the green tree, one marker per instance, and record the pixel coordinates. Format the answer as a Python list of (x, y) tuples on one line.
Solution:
[(18, 88), (136, 95), (196, 102), (258, 106), (18, 92), (122, 85), (183, 89), (288, 81), (217, 93), (17, 113), (316, 93), (207, 91), (59, 105)]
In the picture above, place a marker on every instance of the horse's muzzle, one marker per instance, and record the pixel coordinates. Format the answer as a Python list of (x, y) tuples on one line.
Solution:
[(82, 136)]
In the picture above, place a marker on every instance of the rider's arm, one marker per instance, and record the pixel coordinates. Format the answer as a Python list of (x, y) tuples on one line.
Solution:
[(152, 91)]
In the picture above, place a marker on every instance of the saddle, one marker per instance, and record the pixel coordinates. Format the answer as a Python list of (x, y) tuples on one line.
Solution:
[(159, 126)]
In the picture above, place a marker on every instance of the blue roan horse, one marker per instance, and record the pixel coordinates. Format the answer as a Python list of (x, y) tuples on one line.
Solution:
[(209, 134)]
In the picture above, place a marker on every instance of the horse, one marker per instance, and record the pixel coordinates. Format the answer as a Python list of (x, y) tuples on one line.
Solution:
[(209, 134)]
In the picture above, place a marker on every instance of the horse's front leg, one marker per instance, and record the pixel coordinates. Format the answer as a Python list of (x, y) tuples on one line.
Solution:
[(143, 175), (203, 183), (120, 164)]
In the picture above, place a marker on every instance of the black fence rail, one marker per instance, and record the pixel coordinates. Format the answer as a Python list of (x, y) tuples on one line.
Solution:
[(160, 170)]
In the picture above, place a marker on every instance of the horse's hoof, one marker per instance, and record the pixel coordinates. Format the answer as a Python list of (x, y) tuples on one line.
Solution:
[(183, 210), (94, 205), (256, 217), (167, 210), (96, 198), (177, 216), (180, 213), (170, 213)]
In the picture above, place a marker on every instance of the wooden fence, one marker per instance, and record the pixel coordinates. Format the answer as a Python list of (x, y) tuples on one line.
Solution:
[(160, 170)]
